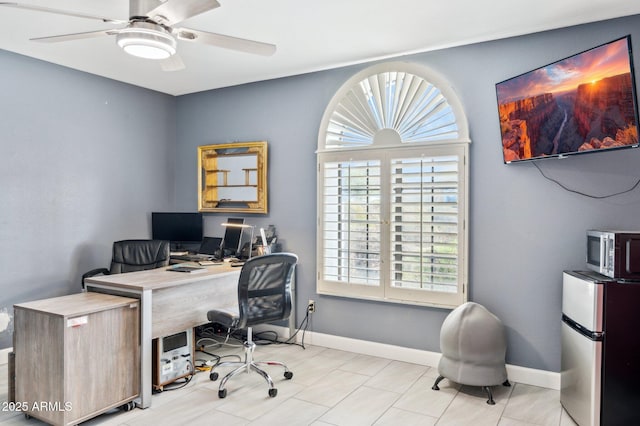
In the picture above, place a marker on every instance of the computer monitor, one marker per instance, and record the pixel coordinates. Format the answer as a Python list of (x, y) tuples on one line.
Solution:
[(178, 228), (210, 245), (232, 237)]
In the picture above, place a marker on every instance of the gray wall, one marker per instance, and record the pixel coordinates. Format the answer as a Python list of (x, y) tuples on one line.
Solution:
[(524, 229), (84, 160)]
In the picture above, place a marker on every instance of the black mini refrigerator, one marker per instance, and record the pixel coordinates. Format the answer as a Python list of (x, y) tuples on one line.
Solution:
[(600, 368)]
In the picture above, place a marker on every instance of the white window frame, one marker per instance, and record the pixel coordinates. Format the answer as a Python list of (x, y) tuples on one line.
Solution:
[(384, 149)]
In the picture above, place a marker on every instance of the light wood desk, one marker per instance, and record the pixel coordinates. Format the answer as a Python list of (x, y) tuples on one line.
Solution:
[(170, 302)]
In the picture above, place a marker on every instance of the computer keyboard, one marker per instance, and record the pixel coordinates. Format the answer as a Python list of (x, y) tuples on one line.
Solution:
[(192, 257)]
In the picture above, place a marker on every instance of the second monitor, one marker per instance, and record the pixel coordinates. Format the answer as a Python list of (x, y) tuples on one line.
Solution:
[(232, 236)]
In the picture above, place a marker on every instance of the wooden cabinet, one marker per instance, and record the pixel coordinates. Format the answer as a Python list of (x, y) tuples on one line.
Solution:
[(76, 356)]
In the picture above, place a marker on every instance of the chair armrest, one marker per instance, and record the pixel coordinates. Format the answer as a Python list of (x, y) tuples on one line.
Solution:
[(93, 273)]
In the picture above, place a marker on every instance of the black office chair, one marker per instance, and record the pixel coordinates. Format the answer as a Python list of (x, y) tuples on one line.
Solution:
[(134, 255), (264, 295)]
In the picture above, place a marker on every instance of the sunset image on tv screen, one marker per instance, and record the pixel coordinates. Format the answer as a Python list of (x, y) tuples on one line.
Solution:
[(582, 103)]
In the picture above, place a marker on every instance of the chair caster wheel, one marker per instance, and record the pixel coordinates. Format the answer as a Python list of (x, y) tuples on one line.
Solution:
[(128, 406), (222, 393), (213, 377), (273, 392), (288, 374)]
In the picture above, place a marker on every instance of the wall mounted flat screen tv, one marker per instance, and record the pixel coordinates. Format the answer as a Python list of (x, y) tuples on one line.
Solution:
[(178, 228), (580, 104)]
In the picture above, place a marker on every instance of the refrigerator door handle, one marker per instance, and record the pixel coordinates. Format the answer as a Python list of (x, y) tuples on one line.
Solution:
[(592, 335)]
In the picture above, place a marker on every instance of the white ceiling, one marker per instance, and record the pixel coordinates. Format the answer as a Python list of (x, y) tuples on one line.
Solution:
[(310, 36)]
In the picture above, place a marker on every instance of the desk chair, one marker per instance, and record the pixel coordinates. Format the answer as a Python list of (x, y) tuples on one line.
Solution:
[(264, 295), (134, 255)]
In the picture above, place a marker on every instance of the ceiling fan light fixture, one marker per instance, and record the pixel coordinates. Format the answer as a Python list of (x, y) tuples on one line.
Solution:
[(146, 40)]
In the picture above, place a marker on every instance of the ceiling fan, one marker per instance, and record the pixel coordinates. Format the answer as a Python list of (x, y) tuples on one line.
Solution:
[(151, 33)]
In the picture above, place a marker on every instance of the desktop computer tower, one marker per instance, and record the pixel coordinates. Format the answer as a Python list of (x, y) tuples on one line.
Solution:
[(173, 358)]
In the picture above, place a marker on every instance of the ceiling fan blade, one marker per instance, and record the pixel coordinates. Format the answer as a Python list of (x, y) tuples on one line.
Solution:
[(171, 12), (172, 63), (61, 12), (225, 41), (76, 36)]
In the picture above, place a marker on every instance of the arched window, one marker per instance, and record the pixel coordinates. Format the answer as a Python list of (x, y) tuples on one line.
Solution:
[(392, 190)]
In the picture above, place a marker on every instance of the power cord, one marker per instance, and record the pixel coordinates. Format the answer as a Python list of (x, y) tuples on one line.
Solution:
[(598, 197), (219, 360), (208, 334), (291, 340), (305, 324)]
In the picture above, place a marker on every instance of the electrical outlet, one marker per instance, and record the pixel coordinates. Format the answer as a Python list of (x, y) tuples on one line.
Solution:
[(311, 306)]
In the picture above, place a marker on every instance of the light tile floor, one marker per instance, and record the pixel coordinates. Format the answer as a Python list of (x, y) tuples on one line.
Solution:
[(331, 387)]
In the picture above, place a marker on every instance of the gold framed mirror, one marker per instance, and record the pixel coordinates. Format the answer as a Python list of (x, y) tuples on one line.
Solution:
[(232, 177)]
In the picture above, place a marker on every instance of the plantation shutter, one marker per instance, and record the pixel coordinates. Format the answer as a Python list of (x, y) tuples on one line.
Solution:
[(392, 165), (426, 225)]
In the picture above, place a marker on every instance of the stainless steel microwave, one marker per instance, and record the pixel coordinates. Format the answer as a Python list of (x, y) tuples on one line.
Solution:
[(615, 254)]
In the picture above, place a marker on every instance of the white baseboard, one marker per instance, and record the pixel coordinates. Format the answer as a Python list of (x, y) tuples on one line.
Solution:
[(528, 376), (517, 374), (533, 377), (4, 355)]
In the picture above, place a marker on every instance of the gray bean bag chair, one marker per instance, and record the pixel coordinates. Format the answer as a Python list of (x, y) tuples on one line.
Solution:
[(473, 345)]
